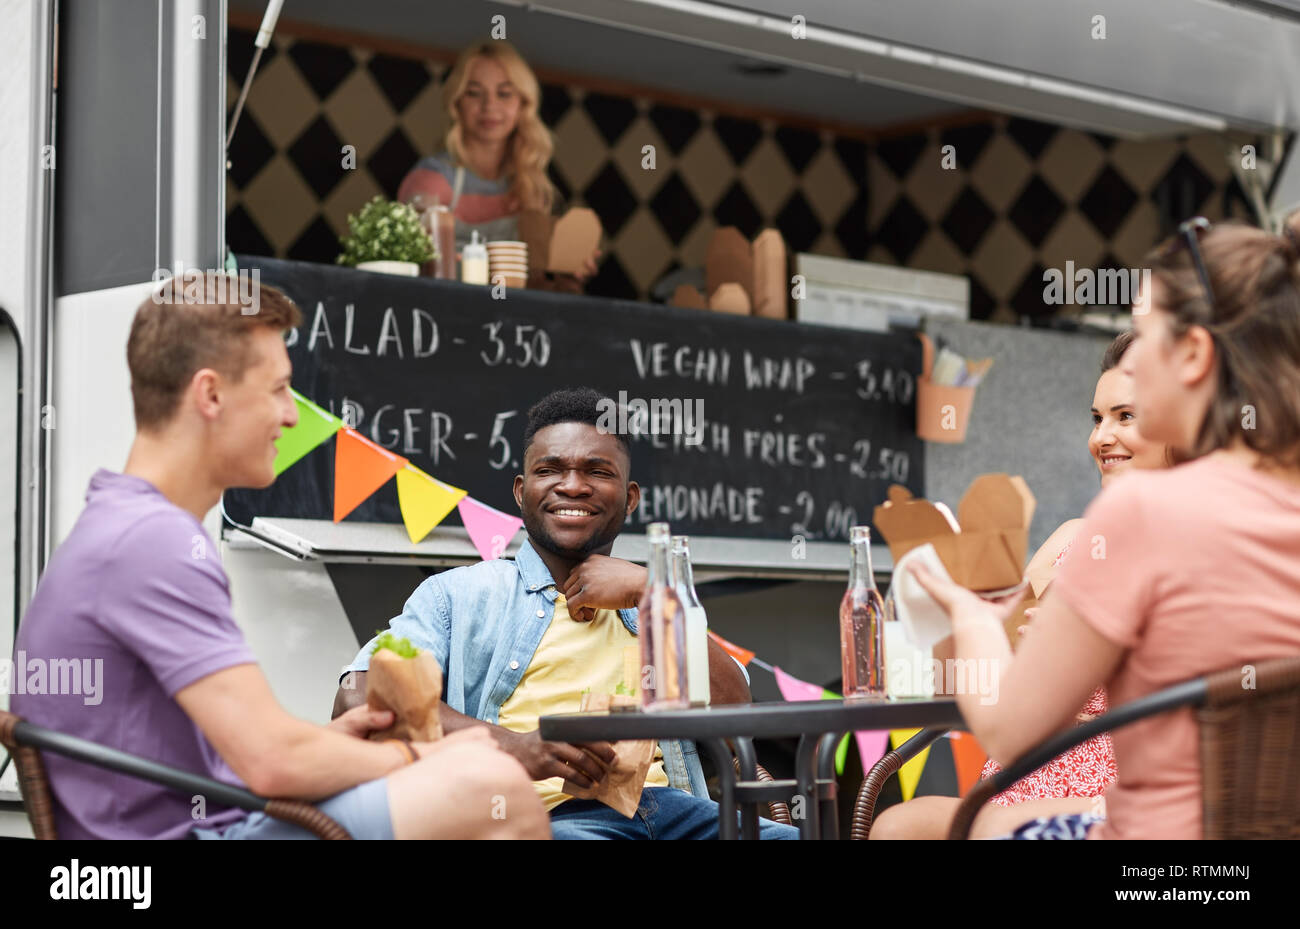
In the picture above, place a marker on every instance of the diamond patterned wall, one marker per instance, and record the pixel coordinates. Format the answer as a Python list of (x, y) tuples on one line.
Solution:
[(1019, 196)]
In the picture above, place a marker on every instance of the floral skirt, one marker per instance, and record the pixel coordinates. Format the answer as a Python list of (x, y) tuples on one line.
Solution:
[(1084, 771)]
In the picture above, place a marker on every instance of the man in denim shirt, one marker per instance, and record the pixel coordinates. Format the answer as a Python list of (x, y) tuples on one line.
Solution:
[(524, 638)]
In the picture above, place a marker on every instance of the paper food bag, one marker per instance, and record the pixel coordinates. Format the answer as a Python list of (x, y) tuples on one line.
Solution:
[(730, 298), (770, 283), (757, 269), (575, 238), (689, 297), (412, 689), (535, 228), (621, 787), (730, 260)]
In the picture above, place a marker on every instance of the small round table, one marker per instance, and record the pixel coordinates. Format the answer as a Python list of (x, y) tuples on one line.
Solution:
[(819, 724)]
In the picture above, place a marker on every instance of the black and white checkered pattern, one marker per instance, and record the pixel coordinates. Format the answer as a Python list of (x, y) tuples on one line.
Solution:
[(1022, 196)]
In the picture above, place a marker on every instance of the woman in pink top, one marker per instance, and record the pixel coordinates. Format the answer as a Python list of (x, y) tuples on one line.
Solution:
[(1070, 783), (1175, 573)]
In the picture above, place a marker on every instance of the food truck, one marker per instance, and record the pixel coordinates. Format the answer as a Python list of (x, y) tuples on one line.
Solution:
[(924, 163)]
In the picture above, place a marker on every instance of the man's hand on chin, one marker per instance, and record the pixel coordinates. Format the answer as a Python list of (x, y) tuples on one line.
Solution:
[(603, 583)]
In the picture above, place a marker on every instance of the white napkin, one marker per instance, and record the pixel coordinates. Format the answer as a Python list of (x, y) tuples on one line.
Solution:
[(924, 621)]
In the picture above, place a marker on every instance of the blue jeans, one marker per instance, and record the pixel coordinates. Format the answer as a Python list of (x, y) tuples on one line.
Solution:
[(664, 813), (362, 811)]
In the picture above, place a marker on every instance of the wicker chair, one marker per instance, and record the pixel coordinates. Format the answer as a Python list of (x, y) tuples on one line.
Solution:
[(25, 743), (777, 811), (1249, 743), (864, 809)]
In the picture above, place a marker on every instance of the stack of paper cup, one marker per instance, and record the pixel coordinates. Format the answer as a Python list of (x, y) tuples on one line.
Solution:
[(508, 263)]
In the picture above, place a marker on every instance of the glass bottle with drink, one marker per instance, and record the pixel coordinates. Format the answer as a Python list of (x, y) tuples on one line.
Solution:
[(862, 623), (661, 627), (697, 623), (440, 224)]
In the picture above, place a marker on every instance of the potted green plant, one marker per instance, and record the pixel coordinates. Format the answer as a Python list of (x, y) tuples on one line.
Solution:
[(386, 236)]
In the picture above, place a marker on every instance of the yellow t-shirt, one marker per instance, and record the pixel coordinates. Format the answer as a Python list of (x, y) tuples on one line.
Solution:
[(572, 657)]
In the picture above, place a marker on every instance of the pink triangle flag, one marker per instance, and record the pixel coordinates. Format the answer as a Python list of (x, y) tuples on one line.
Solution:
[(490, 530), (871, 746), (794, 689), (871, 743)]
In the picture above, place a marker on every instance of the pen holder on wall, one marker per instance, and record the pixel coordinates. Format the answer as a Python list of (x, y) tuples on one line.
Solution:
[(942, 412)]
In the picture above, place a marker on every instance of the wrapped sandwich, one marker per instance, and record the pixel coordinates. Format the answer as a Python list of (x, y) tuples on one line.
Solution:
[(408, 681), (620, 789)]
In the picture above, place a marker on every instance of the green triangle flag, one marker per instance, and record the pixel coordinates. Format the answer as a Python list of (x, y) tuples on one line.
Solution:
[(315, 425), (842, 752)]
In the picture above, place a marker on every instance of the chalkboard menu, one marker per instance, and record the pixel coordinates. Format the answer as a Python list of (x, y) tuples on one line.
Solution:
[(766, 429)]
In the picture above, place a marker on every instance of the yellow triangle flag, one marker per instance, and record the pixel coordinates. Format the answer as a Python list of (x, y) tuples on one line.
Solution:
[(910, 774), (425, 501)]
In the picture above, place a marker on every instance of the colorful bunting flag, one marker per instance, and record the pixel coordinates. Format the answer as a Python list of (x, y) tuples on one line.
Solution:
[(842, 750), (910, 773), (425, 501), (743, 655), (968, 758), (315, 425), (360, 468), (794, 689), (489, 529), (870, 743)]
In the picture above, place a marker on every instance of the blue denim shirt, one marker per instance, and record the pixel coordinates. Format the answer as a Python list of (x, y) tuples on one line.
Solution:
[(483, 623)]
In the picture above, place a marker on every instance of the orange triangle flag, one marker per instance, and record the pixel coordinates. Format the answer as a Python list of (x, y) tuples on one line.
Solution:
[(743, 655), (360, 468), (968, 758)]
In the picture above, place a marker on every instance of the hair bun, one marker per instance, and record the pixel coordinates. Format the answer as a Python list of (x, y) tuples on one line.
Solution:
[(1291, 237)]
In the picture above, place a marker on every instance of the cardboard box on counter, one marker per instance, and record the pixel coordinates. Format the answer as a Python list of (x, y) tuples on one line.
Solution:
[(987, 548), (688, 297), (728, 298), (758, 268), (729, 260), (561, 245), (741, 278)]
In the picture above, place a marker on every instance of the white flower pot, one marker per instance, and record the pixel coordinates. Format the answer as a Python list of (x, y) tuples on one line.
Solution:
[(401, 268)]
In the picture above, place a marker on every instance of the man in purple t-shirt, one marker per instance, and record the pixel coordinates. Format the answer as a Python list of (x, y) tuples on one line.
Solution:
[(129, 640)]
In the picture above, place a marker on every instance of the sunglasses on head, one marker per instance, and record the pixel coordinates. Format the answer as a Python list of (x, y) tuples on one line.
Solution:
[(1189, 235)]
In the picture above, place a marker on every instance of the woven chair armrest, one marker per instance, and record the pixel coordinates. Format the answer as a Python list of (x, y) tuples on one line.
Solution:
[(26, 734), (864, 809), (1187, 693)]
